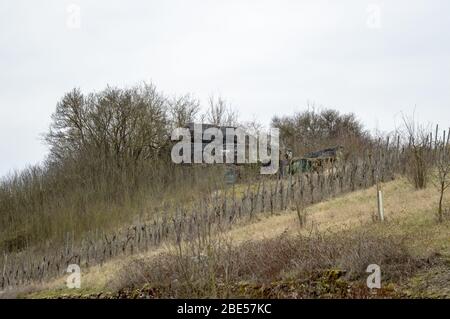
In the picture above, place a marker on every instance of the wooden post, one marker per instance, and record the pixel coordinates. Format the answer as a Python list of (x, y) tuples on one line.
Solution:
[(380, 202), (436, 137), (448, 137), (5, 261)]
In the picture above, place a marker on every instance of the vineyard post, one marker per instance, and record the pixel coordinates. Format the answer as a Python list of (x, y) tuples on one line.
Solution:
[(380, 202)]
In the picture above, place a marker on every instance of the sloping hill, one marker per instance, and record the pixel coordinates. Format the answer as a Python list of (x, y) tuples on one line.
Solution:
[(414, 247)]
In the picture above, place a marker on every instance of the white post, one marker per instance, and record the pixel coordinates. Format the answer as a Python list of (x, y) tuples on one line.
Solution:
[(380, 203)]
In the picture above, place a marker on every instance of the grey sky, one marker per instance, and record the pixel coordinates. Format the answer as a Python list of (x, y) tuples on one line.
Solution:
[(264, 57)]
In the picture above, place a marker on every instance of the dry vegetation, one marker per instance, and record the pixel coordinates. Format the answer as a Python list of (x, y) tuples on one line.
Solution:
[(411, 246), (109, 199), (276, 258)]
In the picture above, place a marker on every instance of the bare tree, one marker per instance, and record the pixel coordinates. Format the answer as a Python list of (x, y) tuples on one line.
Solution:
[(418, 152), (219, 113), (114, 125), (253, 127), (441, 175), (310, 130), (183, 110)]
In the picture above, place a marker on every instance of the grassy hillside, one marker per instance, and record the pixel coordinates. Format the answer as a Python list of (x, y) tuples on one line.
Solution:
[(275, 257)]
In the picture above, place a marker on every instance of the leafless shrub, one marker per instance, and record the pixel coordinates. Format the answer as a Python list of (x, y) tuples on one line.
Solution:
[(301, 213), (441, 176), (418, 152), (314, 129), (219, 268), (183, 110), (220, 113)]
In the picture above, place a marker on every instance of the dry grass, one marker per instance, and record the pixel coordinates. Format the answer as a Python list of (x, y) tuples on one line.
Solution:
[(348, 211), (409, 216), (219, 269)]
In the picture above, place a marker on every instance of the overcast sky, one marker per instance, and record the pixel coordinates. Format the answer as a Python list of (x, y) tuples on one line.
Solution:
[(374, 58)]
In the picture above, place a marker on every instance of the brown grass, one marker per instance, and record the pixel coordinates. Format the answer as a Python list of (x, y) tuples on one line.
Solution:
[(217, 269), (409, 216)]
